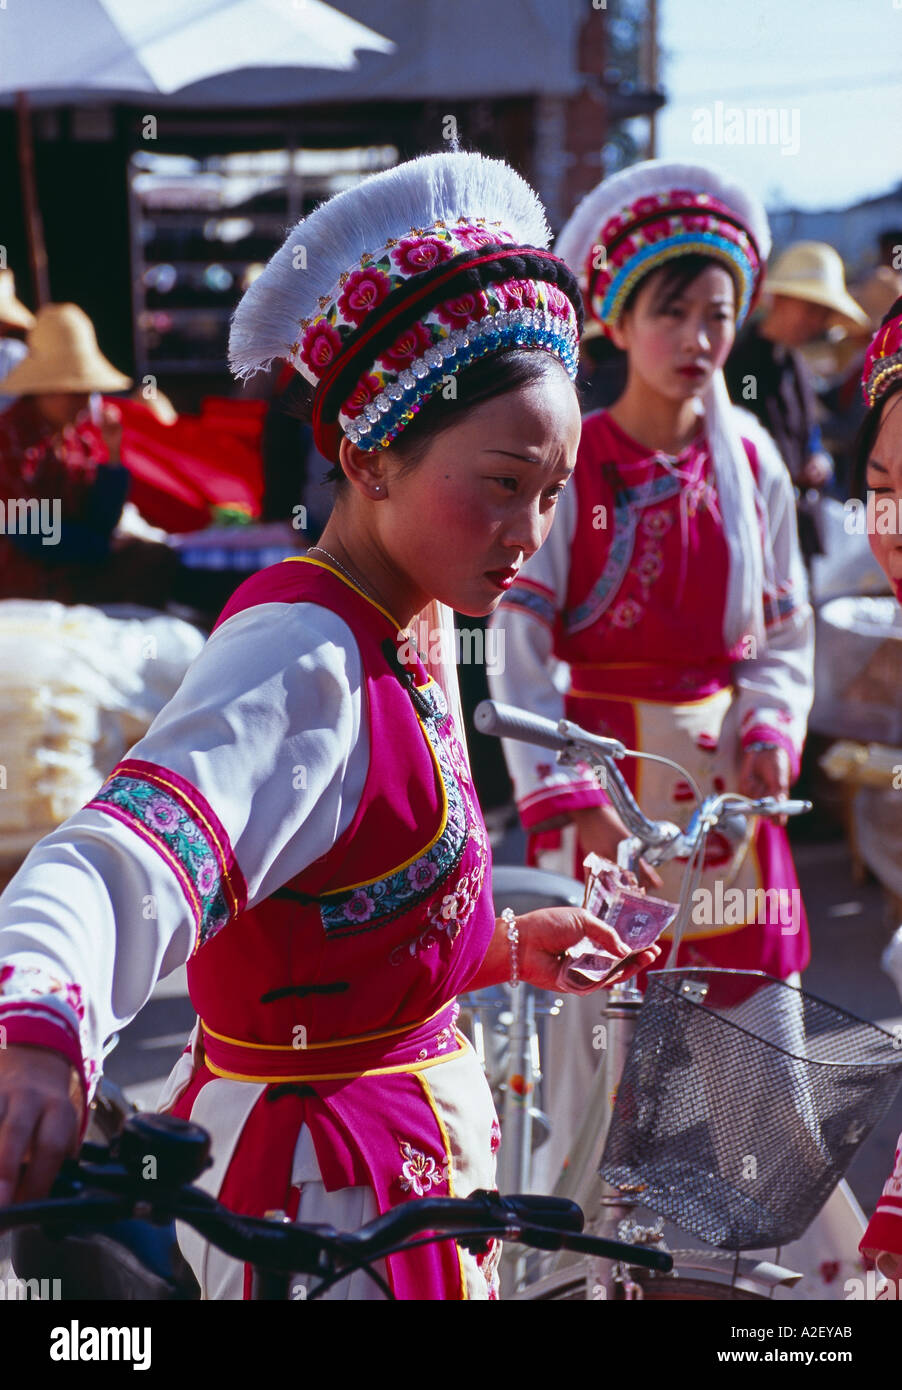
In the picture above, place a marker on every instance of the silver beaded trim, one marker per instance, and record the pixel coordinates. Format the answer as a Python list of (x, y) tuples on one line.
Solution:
[(516, 326), (883, 370)]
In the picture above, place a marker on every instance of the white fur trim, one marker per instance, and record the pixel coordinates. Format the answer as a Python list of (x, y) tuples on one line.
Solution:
[(435, 187), (583, 228)]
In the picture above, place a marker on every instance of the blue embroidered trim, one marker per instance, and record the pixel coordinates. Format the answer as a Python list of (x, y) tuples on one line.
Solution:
[(777, 607), (681, 244), (627, 503), (375, 428), (374, 904), (521, 597)]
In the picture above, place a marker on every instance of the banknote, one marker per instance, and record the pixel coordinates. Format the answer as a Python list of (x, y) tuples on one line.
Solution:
[(613, 895)]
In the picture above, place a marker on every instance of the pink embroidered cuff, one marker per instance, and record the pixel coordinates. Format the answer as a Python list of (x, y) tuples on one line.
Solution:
[(34, 1023), (764, 733), (561, 798)]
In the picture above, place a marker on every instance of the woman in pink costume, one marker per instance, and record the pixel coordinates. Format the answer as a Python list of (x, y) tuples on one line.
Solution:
[(673, 589), (299, 824), (880, 467)]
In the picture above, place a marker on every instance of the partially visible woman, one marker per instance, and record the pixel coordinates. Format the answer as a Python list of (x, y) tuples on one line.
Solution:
[(880, 470)]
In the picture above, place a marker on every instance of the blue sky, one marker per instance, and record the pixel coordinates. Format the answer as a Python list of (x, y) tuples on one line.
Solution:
[(830, 70)]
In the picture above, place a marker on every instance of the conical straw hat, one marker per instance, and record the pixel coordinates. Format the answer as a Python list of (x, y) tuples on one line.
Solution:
[(813, 271), (12, 310), (63, 356)]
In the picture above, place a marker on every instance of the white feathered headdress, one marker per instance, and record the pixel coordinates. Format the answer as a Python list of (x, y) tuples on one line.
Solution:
[(360, 221)]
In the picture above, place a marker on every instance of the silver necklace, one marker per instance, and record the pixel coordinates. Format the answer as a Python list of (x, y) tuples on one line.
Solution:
[(358, 582)]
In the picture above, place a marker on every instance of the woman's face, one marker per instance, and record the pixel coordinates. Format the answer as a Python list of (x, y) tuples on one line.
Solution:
[(884, 479), (675, 348), (481, 499)]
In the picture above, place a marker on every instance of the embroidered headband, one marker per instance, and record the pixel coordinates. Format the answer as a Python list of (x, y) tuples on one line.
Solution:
[(416, 312), (387, 319), (655, 212), (883, 359)]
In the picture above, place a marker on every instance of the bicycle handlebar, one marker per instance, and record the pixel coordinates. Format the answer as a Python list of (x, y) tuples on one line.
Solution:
[(656, 840), (108, 1185)]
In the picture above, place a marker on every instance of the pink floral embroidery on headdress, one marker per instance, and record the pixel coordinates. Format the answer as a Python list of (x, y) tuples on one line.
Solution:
[(363, 290)]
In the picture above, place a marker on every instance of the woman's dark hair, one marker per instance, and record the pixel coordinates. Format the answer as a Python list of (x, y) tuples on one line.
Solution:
[(870, 425), (488, 377), (674, 277)]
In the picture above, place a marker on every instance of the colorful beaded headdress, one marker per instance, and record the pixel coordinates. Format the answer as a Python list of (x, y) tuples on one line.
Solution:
[(652, 213), (390, 288), (883, 359)]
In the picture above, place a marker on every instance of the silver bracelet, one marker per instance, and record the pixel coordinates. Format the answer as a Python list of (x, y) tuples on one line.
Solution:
[(513, 936)]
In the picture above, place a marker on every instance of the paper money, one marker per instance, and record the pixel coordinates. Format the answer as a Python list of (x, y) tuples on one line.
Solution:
[(613, 895)]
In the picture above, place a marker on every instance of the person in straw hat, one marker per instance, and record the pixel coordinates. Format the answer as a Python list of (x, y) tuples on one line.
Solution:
[(805, 294), (302, 813), (15, 321), (60, 459)]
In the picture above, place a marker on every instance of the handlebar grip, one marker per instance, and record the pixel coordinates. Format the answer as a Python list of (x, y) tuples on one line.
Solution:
[(505, 721), (556, 1212)]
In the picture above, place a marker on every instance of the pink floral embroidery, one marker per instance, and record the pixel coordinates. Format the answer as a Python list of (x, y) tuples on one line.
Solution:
[(366, 389), (419, 1171), (412, 343), (465, 309), (626, 248), (611, 228), (654, 231), (495, 1138), (642, 207), (363, 290), (517, 294), (474, 237), (650, 566), (422, 873), (657, 523), (557, 301), (627, 613), (360, 907), (321, 345), (414, 254)]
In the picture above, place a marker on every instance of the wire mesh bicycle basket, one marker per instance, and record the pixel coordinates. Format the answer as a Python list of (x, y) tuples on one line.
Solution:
[(742, 1103)]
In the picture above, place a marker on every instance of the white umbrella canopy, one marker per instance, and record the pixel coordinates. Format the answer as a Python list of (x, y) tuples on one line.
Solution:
[(119, 46), (73, 50)]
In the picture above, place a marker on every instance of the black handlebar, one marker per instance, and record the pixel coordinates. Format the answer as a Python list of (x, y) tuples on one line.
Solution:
[(109, 1185)]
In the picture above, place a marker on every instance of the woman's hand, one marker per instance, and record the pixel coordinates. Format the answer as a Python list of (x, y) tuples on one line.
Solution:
[(765, 772), (39, 1120), (547, 934), (544, 937), (600, 831)]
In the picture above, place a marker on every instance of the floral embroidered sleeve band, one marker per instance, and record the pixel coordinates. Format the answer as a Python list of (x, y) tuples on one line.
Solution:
[(208, 813)]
